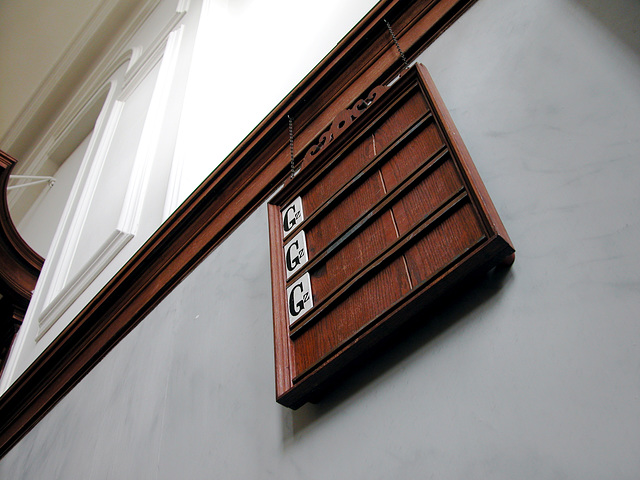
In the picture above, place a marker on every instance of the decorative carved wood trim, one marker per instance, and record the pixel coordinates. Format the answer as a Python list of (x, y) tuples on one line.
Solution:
[(366, 56), (342, 122), (19, 266)]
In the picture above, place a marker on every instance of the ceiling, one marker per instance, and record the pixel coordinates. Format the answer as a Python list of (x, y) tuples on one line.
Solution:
[(45, 50)]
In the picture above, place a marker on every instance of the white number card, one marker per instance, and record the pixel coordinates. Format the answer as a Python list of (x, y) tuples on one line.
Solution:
[(295, 253), (292, 216), (299, 298)]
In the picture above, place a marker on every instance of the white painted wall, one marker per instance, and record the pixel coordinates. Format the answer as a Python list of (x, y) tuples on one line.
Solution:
[(532, 374)]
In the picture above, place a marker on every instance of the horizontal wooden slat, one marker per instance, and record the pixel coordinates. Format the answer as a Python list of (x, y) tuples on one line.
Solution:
[(352, 207), (441, 182), (404, 116), (339, 324), (444, 244), (412, 155), (330, 274), (334, 179)]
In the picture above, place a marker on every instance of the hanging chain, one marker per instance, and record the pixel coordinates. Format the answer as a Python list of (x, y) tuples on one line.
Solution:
[(293, 164), (406, 66), (395, 40)]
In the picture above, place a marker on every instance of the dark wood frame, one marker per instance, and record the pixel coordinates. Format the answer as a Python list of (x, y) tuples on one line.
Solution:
[(481, 241), (366, 56)]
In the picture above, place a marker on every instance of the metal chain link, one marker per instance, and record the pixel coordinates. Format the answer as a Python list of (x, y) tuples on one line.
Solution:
[(395, 40), (293, 165), (406, 66)]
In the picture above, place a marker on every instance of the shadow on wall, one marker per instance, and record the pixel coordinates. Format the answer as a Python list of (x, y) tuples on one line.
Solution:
[(620, 17), (454, 310)]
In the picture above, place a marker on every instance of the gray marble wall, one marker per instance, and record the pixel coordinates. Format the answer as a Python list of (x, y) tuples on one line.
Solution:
[(534, 374)]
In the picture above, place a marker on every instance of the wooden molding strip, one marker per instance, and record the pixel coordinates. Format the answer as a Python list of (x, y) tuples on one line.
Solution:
[(19, 267), (236, 188)]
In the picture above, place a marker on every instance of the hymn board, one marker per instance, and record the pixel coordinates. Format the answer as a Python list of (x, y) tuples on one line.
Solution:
[(386, 215)]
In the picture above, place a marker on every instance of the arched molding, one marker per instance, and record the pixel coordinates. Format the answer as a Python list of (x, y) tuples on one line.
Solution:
[(31, 260), (20, 267)]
